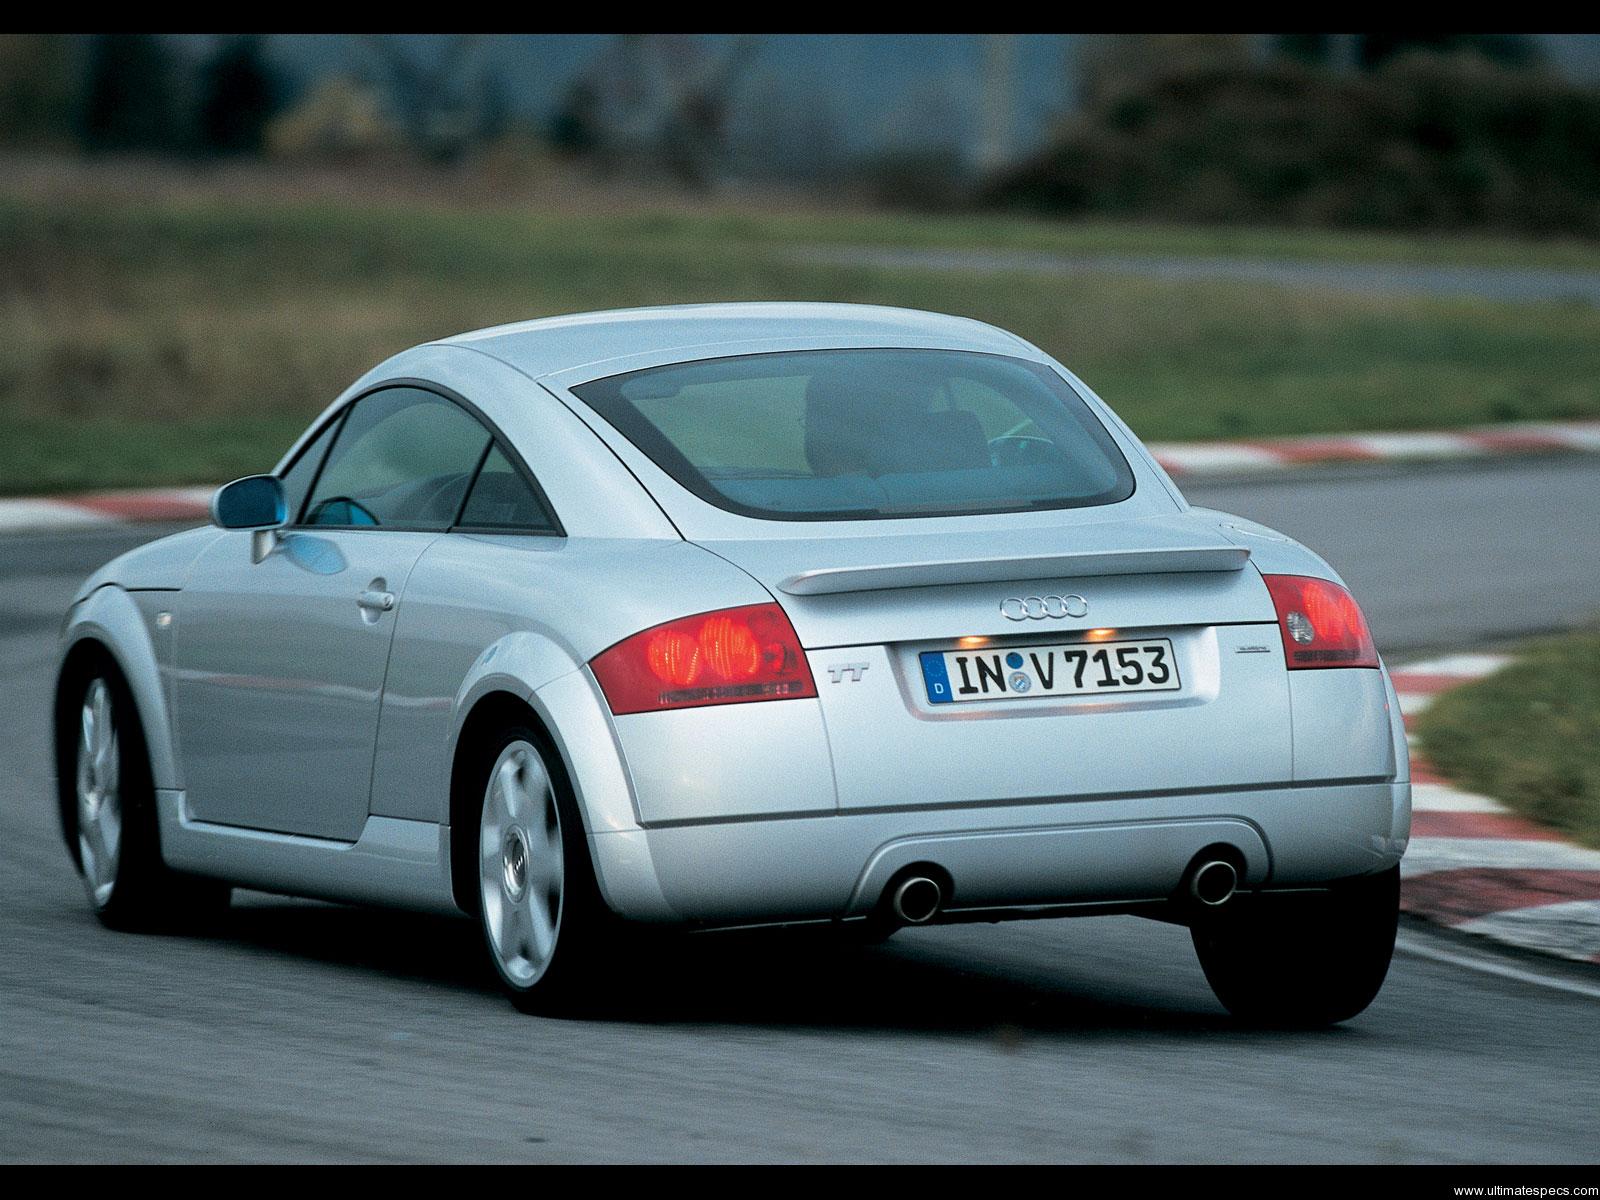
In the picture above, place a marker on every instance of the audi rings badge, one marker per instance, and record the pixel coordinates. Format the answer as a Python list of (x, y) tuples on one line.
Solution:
[(1038, 608)]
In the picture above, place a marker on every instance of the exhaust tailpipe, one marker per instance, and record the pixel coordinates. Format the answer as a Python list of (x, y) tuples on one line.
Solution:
[(1212, 883), (916, 900)]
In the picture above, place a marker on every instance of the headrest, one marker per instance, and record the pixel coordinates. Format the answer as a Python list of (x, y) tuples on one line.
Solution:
[(858, 427)]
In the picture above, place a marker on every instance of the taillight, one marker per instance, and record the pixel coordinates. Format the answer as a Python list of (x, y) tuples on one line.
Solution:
[(731, 656), (1321, 624)]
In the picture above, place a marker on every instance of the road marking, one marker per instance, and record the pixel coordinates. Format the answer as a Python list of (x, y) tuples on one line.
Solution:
[(1215, 457), (1467, 666), (1439, 797), (1470, 962), (1450, 853), (1456, 823), (1418, 445), (103, 510), (1570, 929), (1412, 703), (24, 515)]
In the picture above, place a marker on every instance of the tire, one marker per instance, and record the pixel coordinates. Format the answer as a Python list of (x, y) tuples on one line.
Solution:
[(540, 914), (870, 931), (1302, 960), (117, 844)]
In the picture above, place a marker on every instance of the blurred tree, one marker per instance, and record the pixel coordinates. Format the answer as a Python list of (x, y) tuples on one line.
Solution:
[(338, 119), (1507, 49), (1112, 64), (238, 96), (661, 101), (1307, 47), (783, 130), (131, 96), (1426, 141), (575, 126), (431, 93), (1369, 50), (494, 116), (37, 89)]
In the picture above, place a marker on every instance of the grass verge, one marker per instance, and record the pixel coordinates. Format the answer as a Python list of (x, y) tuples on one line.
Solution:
[(1528, 735), (185, 334)]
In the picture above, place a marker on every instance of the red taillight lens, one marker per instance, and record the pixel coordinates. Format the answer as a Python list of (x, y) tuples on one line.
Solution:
[(1321, 624), (731, 656)]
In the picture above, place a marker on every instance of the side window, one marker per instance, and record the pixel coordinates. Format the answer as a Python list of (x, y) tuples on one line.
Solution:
[(502, 499), (405, 458), (297, 479)]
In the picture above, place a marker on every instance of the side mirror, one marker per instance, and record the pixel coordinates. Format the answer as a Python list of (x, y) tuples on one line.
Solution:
[(254, 502), (257, 503)]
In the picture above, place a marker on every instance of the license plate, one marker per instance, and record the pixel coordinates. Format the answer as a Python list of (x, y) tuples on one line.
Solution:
[(1027, 672)]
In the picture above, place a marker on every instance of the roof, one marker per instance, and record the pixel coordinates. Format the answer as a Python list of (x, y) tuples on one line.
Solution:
[(561, 343)]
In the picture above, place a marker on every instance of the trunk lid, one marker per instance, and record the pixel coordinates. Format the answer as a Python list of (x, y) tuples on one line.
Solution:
[(867, 607), (844, 590)]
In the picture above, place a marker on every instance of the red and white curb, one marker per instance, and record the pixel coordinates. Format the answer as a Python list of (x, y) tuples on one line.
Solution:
[(1188, 460), (1193, 459), (104, 508), (1474, 865)]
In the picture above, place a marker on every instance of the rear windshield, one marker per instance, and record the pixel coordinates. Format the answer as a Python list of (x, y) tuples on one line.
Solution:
[(859, 434)]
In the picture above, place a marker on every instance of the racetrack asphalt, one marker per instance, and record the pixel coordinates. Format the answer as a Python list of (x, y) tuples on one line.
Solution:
[(304, 1031)]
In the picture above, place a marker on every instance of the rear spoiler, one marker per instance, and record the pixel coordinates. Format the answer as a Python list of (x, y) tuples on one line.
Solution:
[(826, 580)]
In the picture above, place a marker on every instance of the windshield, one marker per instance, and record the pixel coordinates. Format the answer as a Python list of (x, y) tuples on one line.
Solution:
[(857, 434)]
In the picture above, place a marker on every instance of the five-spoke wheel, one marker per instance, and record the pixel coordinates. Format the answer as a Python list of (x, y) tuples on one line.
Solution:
[(546, 928), (99, 793), (108, 801), (521, 864)]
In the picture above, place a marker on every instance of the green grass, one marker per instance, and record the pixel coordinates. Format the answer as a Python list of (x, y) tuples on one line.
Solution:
[(1528, 735), (109, 453), (1098, 237), (186, 335)]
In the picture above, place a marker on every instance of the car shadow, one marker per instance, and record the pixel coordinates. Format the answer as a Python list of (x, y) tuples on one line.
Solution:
[(395, 944), (771, 978)]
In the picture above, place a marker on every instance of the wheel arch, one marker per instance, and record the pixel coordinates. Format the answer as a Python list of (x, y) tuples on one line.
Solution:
[(492, 710), (87, 658), (534, 677), (106, 629)]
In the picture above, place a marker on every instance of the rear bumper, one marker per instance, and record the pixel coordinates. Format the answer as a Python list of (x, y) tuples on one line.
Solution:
[(1120, 850)]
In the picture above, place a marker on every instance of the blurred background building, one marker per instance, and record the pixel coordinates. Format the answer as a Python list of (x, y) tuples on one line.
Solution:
[(1209, 127)]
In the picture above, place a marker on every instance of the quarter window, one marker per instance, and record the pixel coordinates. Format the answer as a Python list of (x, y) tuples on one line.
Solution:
[(502, 499)]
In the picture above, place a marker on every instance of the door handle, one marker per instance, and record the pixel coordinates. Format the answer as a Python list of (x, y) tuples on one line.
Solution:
[(375, 601)]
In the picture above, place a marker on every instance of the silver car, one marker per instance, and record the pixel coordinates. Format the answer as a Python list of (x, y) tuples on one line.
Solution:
[(732, 615)]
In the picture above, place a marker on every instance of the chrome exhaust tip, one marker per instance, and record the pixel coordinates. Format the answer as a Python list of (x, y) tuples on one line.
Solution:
[(916, 900), (1213, 883)]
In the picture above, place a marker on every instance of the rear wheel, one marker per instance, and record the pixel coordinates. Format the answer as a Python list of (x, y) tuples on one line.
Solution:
[(873, 930), (114, 818), (1304, 960), (539, 908)]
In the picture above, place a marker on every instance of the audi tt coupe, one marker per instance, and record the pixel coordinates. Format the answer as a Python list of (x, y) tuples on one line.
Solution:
[(732, 615)]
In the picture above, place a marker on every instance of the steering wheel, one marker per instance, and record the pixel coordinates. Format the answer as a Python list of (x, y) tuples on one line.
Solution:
[(429, 504), (1022, 450), (355, 513)]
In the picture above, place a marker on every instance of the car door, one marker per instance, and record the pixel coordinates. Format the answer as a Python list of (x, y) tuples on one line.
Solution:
[(469, 590), (280, 664)]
